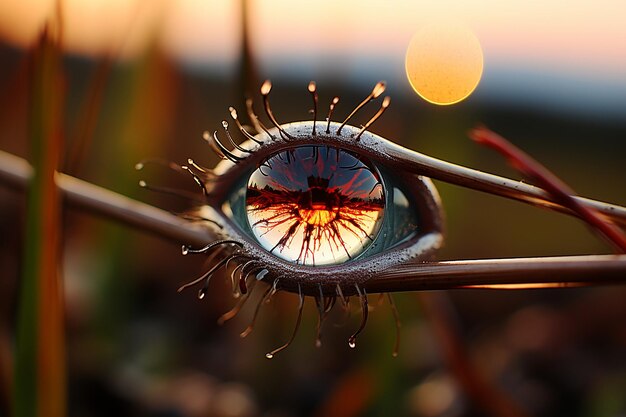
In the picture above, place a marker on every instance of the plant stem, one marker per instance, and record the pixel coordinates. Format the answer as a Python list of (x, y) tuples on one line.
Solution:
[(560, 271)]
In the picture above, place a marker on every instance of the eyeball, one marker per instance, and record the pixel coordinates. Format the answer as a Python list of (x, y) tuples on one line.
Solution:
[(315, 209), (323, 210), (315, 205)]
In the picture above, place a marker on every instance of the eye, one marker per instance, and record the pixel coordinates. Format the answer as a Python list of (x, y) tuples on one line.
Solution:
[(316, 205), (328, 210), (312, 207), (321, 205)]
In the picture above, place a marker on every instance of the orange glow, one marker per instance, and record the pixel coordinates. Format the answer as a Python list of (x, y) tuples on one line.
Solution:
[(318, 216), (125, 28), (315, 205), (578, 36), (21, 21), (444, 63), (528, 286), (92, 27), (314, 237)]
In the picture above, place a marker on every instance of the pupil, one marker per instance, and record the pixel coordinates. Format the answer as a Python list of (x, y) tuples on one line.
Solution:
[(315, 205)]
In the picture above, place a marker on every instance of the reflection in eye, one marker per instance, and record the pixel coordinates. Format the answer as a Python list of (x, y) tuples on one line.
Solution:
[(326, 210), (315, 205), (313, 208)]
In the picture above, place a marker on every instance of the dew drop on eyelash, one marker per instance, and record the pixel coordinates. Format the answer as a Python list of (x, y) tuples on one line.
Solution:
[(315, 205)]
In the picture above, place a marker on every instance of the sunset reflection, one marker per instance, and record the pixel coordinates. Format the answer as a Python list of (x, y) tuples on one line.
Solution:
[(315, 205)]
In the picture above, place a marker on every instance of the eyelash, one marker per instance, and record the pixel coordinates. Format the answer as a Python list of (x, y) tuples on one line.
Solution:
[(248, 262), (237, 162), (326, 284)]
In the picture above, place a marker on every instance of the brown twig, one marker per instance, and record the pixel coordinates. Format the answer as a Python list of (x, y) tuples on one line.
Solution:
[(16, 172), (581, 270), (584, 270), (493, 184)]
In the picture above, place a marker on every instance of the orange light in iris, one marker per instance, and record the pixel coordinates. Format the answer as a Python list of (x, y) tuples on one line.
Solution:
[(315, 205)]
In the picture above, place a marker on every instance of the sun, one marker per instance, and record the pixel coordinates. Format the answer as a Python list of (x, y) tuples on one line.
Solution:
[(444, 63)]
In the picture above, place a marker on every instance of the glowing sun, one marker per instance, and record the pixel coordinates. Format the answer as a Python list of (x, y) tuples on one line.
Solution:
[(444, 63)]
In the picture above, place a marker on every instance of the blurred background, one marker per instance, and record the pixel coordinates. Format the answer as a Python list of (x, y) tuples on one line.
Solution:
[(140, 79)]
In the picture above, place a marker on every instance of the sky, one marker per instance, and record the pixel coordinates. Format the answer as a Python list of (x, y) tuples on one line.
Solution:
[(570, 51)]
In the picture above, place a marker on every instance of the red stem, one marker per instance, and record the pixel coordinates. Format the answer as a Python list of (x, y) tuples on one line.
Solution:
[(553, 185)]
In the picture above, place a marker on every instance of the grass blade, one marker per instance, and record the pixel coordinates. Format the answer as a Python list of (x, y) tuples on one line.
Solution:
[(40, 387)]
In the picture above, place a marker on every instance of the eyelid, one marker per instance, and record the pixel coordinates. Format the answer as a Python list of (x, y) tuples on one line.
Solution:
[(419, 190), (411, 164), (229, 172), (313, 279), (407, 164), (386, 152), (417, 163)]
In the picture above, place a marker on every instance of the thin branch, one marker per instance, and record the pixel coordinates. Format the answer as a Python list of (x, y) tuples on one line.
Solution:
[(428, 166), (602, 269), (16, 173), (579, 270)]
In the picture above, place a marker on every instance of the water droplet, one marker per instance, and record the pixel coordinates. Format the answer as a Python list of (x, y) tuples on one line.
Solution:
[(379, 88), (201, 294), (318, 343), (269, 355), (266, 88), (142, 184), (352, 342), (262, 274), (184, 250), (225, 124), (139, 166)]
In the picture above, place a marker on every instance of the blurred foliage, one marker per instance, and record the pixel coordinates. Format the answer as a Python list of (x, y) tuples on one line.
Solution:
[(40, 385), (136, 347)]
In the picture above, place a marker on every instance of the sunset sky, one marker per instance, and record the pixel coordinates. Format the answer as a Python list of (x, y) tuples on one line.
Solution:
[(576, 49)]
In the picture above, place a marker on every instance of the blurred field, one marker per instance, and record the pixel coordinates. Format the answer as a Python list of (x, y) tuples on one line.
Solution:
[(135, 347)]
